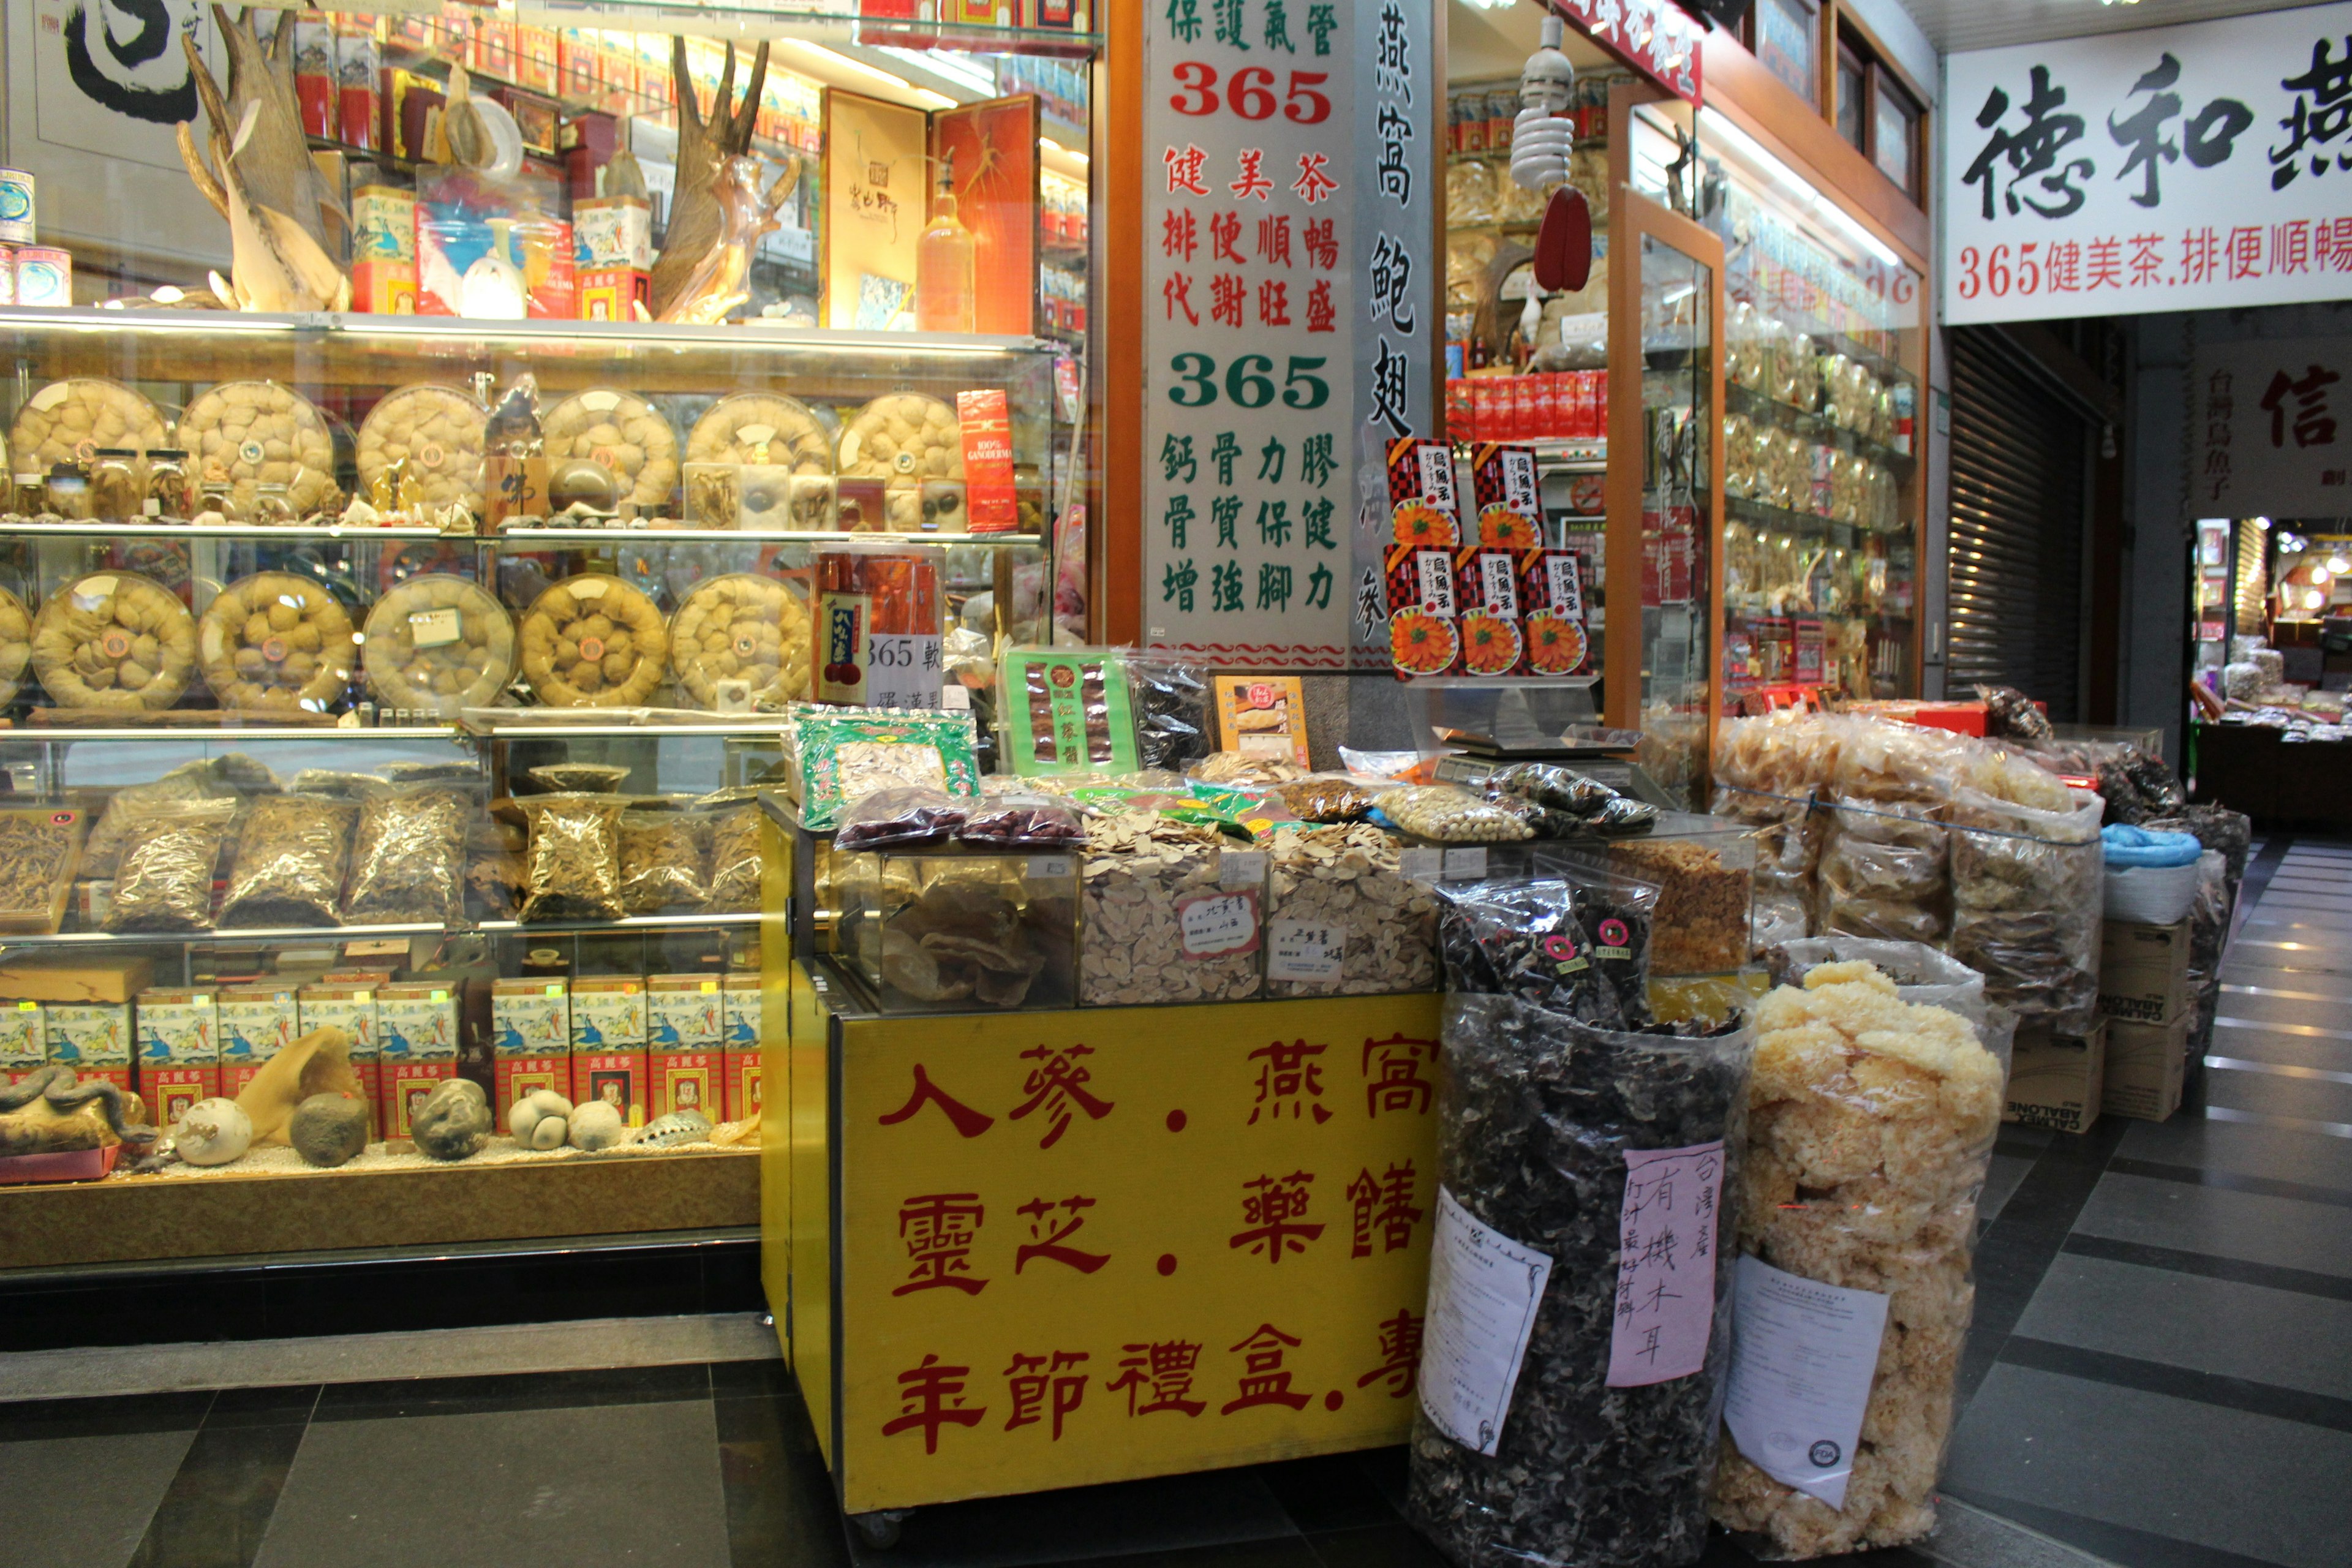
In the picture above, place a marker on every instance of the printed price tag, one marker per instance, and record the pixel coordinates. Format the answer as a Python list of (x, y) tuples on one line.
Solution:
[(1218, 925), (1465, 865), (1241, 868), (434, 629), (1484, 1289), (1303, 950), (1048, 867), (1420, 864), (902, 670)]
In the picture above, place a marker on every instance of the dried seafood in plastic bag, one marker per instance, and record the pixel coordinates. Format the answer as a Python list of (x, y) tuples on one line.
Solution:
[(1537, 1116), (1343, 881), (408, 856), (2009, 714), (1236, 768), (164, 881), (573, 869), (580, 778), (1171, 699), (292, 852), (1885, 872), (1871, 1123), (662, 855), (1578, 944), (132, 802)]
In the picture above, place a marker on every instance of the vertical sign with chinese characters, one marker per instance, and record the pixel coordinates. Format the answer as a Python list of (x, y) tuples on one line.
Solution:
[(1283, 307), (2188, 168), (2271, 429)]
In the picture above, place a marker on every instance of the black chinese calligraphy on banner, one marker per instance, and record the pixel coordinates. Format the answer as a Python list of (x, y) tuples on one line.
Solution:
[(2185, 168), (2270, 431), (1288, 167)]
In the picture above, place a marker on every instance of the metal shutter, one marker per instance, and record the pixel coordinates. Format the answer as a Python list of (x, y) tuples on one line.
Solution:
[(2019, 467)]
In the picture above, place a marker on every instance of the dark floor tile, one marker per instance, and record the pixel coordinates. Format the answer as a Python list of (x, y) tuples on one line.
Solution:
[(1327, 1492), (2246, 1225), (1391, 1471), (2115, 1543), (56, 1516), (2220, 1326), (781, 1508), (2018, 1246), (289, 1406), (1729, 1552), (1378, 1546), (513, 1391), (766, 1379), (2246, 1148), (2174, 1381), (635, 1484), (2268, 1186), (217, 1508), (2205, 1266), (2304, 1008), (1142, 1522), (109, 1415)]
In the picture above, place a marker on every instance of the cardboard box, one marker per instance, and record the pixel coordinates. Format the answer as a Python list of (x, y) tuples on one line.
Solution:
[(2143, 973), (349, 1004), (256, 1022), (93, 1039), (2055, 1081), (170, 1087), (178, 1027), (531, 1040), (613, 293), (2146, 1064), (1262, 716), (23, 1039), (70, 978), (740, 1057), (407, 1082), (685, 1028), (608, 1044), (609, 232)]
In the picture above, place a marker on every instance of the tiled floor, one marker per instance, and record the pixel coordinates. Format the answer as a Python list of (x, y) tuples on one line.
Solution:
[(2158, 1375)]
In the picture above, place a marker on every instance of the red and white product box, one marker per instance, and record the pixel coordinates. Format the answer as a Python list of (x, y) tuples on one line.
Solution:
[(349, 1004), (179, 1050), (987, 462), (740, 992), (685, 1031), (256, 1022), (1486, 590), (416, 1033), (1551, 605), (359, 59), (314, 72), (93, 1039), (1510, 510), (24, 1040), (531, 1040), (608, 1044), (1422, 637)]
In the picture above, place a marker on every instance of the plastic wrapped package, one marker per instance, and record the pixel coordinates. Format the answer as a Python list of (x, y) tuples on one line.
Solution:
[(2216, 827), (1445, 814), (2009, 714), (1172, 720), (1922, 975), (408, 856), (734, 857), (2028, 891), (1541, 821), (292, 851), (164, 881), (958, 931), (1879, 763), (1542, 1120), (580, 778), (571, 870), (1548, 784), (1234, 768), (1703, 902), (1012, 820), (133, 803), (1577, 945), (899, 818), (1342, 919), (1884, 872), (1143, 874), (1871, 1122), (1326, 797), (662, 857)]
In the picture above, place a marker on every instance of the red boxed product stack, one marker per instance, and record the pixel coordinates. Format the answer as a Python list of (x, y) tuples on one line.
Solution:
[(1564, 405)]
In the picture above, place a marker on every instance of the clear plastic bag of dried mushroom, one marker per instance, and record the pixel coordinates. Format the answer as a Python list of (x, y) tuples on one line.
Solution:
[(408, 856), (1164, 910), (292, 852), (1341, 918), (663, 855), (164, 881), (571, 871)]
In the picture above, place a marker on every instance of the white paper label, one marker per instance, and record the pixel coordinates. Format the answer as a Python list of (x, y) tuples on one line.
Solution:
[(1498, 584), (1802, 1354), (1465, 865), (1484, 1289), (1303, 950), (956, 696), (1049, 867), (1566, 590), (1218, 924), (435, 628), (1666, 1232), (902, 670), (1433, 573), (1436, 460), (1241, 868), (1420, 864)]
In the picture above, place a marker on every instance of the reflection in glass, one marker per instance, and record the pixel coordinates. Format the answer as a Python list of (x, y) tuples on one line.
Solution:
[(1677, 467)]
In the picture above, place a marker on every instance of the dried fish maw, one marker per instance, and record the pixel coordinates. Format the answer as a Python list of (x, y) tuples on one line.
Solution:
[(907, 967), (1009, 957), (318, 1063), (999, 990)]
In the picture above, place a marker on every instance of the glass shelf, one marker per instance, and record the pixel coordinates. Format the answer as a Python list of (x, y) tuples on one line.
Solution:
[(229, 936), (1813, 426)]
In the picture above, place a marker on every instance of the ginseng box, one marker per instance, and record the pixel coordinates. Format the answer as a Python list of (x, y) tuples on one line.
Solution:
[(531, 1039), (179, 1050), (23, 1039), (350, 1007), (741, 1061), (93, 1039), (608, 1044), (416, 1031), (256, 1022)]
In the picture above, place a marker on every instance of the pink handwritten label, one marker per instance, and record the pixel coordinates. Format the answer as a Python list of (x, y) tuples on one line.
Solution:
[(1666, 1264)]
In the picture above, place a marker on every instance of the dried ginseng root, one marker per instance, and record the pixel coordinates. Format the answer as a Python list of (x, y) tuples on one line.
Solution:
[(662, 855), (291, 856), (573, 869), (408, 858), (165, 880)]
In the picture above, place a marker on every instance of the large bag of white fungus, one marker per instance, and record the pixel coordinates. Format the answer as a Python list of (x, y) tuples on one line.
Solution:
[(1870, 1125)]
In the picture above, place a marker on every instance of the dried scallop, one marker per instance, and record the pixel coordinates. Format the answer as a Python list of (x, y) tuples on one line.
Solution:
[(276, 642), (624, 433), (594, 641), (114, 640), (438, 642), (439, 429), (243, 434), (68, 421), (760, 427), (741, 628)]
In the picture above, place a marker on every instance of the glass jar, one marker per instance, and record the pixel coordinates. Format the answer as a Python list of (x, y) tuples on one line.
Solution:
[(28, 496), (167, 484), (115, 492), (272, 507), (67, 493), (218, 497)]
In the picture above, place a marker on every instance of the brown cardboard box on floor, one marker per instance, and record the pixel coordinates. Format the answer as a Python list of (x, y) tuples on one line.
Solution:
[(2056, 1081), (2143, 973), (2145, 1063)]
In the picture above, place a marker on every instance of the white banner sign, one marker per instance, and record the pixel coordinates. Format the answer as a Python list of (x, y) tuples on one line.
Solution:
[(2189, 168), (2271, 434)]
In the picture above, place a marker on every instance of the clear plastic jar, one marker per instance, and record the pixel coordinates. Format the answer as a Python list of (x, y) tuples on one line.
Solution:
[(67, 492), (115, 492)]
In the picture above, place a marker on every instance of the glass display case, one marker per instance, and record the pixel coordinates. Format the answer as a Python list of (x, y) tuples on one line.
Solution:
[(412, 597)]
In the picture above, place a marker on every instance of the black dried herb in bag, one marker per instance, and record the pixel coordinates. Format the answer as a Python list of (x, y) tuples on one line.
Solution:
[(1536, 1113), (1577, 942)]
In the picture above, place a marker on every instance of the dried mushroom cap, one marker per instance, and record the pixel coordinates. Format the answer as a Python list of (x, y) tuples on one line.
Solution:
[(440, 430), (438, 642), (622, 431), (741, 628), (68, 421), (276, 642), (114, 640), (760, 427), (905, 437), (15, 645), (594, 641), (250, 433)]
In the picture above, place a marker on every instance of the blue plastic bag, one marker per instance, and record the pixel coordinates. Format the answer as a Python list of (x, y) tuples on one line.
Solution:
[(2129, 846)]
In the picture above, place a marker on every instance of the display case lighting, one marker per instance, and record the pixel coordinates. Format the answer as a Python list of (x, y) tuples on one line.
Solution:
[(100, 320), (959, 69), (1751, 150)]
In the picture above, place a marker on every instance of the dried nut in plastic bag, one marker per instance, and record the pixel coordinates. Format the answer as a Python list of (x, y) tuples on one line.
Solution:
[(408, 858), (1022, 822), (573, 869), (276, 642), (662, 855), (165, 880), (1562, 789), (115, 640), (594, 641), (292, 852), (1452, 816), (439, 643)]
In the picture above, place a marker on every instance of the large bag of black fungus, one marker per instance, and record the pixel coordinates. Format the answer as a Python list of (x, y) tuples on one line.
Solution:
[(1577, 1336)]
